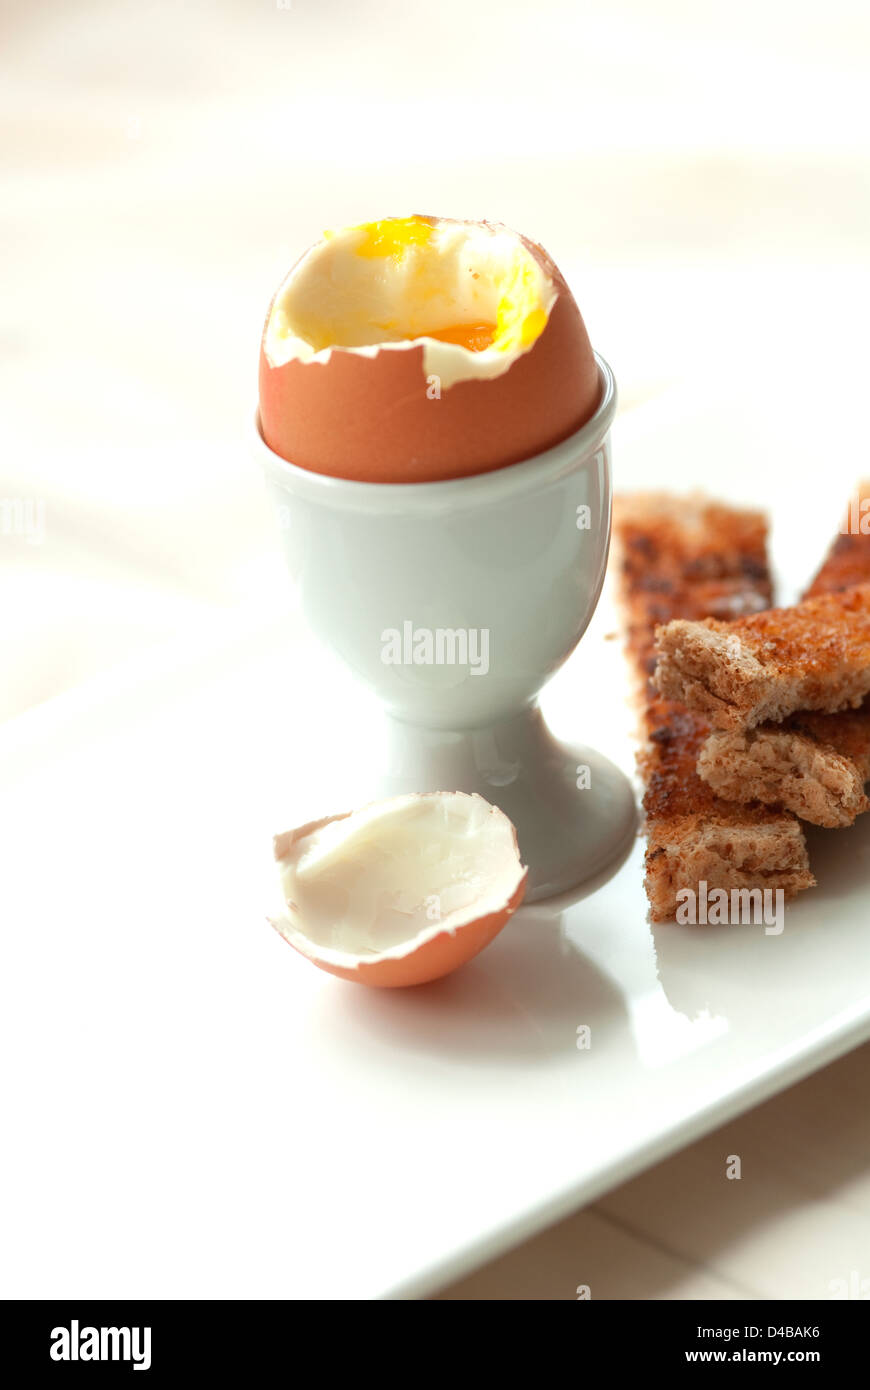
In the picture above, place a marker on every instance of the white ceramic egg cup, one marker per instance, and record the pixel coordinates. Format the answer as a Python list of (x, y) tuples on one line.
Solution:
[(455, 602)]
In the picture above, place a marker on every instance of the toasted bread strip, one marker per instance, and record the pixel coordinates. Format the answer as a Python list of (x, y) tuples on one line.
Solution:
[(815, 765), (689, 558), (793, 765), (847, 563), (814, 656)]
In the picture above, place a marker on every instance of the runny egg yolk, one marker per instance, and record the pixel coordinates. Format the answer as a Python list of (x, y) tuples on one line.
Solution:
[(474, 336), (392, 237), (520, 317)]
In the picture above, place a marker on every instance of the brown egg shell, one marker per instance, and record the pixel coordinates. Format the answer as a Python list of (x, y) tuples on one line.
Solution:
[(371, 419), (434, 958), (439, 956)]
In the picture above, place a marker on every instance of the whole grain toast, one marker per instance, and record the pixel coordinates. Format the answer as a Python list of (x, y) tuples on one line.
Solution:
[(804, 765), (815, 765), (689, 558), (814, 656), (847, 562)]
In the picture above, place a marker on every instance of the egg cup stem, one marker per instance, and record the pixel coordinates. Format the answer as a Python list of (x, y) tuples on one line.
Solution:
[(573, 810)]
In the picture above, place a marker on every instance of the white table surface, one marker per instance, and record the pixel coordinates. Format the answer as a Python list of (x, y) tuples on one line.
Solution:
[(796, 1224)]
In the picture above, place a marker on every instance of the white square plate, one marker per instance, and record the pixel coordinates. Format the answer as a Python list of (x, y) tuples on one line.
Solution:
[(194, 1111)]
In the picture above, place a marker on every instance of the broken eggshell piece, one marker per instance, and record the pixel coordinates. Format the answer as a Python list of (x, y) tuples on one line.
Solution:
[(401, 891)]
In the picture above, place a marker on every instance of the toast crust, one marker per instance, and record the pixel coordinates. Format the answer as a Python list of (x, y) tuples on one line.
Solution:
[(814, 656), (847, 562), (815, 765), (689, 558)]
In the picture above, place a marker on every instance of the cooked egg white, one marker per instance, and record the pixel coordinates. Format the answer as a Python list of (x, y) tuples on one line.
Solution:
[(471, 294), (402, 891)]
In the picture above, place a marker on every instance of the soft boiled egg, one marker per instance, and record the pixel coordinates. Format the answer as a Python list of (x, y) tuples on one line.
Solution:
[(416, 349), (402, 891)]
